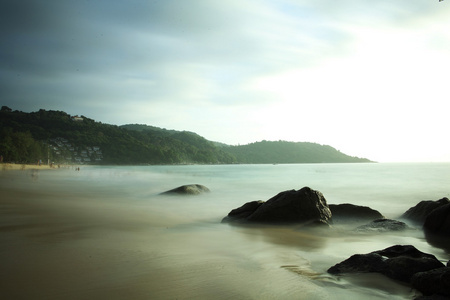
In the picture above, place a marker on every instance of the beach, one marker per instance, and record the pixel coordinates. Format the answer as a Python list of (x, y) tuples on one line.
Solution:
[(15, 167), (106, 233), (57, 245)]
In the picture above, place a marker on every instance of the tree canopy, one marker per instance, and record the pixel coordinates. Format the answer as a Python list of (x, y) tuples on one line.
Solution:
[(62, 138)]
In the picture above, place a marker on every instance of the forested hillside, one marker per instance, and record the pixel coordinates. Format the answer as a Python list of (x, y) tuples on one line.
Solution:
[(283, 152), (55, 136), (59, 137)]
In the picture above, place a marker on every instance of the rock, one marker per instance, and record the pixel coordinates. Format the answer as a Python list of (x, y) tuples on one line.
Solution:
[(353, 213), (397, 262), (419, 212), (438, 240), (190, 189), (433, 282), (404, 250), (241, 213), (383, 225), (305, 206), (359, 263), (438, 221), (432, 297)]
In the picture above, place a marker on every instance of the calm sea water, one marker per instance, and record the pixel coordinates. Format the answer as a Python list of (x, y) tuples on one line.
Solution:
[(389, 188), (175, 247)]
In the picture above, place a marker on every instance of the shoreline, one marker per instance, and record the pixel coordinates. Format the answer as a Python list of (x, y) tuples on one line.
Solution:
[(14, 167)]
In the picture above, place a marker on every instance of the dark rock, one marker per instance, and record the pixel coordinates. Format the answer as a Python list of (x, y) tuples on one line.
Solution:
[(397, 262), (359, 263), (305, 206), (403, 267), (432, 297), (241, 213), (419, 212), (432, 282), (438, 221), (438, 240), (190, 189), (404, 250), (353, 213), (383, 225)]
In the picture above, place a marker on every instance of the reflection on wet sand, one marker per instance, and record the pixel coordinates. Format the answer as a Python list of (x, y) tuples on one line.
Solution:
[(306, 239)]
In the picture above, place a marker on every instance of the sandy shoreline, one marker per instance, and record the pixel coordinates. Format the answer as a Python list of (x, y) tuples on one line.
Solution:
[(74, 245), (11, 167)]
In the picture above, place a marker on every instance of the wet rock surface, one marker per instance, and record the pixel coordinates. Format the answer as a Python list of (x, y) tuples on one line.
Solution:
[(347, 212), (241, 213), (190, 189), (420, 212), (433, 282), (397, 262), (306, 206), (438, 221), (382, 225)]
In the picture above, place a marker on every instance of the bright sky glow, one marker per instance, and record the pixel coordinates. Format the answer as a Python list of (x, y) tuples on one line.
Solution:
[(368, 78)]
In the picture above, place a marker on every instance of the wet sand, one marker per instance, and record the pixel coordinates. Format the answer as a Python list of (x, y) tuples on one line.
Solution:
[(67, 246), (84, 242)]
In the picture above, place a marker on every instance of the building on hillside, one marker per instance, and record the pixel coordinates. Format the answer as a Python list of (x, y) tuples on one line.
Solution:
[(77, 119)]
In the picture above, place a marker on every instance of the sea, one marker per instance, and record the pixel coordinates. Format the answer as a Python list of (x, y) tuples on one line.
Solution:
[(106, 232)]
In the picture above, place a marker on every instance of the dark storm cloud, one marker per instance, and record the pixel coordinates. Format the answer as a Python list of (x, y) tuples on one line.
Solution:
[(59, 49)]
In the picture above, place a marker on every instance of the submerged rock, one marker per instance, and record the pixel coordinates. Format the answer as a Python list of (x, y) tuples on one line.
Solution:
[(433, 282), (190, 189), (353, 213), (305, 206), (438, 221), (383, 225), (419, 212), (396, 262)]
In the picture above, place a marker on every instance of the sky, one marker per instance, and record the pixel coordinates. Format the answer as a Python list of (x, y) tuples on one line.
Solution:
[(368, 78)]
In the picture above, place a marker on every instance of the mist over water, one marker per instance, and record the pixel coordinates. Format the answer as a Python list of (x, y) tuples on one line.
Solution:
[(106, 232)]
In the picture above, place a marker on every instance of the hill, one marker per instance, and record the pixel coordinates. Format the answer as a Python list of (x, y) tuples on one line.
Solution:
[(61, 138), (283, 152), (56, 136)]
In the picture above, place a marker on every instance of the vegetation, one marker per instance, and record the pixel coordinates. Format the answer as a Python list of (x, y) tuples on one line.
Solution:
[(58, 137), (283, 152)]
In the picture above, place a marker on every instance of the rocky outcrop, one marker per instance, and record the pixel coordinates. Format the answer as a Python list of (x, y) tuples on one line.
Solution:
[(433, 282), (397, 262), (190, 189), (241, 213), (383, 225), (419, 212), (438, 221), (306, 206), (353, 213)]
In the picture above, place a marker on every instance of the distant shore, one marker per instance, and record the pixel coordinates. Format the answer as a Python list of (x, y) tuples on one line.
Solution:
[(11, 167)]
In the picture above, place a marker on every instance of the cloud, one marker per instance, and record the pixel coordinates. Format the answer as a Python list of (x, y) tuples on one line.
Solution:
[(232, 71)]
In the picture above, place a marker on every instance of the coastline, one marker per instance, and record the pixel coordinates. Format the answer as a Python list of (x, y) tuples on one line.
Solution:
[(14, 167), (107, 233)]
